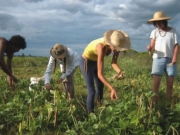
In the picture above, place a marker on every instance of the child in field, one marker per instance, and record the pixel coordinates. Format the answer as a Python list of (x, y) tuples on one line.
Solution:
[(92, 64), (164, 43), (14, 44), (68, 61)]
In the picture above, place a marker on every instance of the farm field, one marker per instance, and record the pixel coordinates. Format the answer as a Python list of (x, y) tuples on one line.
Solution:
[(42, 112)]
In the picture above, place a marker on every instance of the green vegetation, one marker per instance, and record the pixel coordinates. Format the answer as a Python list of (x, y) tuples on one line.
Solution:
[(42, 112)]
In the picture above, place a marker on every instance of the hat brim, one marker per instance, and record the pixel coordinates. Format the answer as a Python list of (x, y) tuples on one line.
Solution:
[(54, 55), (158, 19), (127, 45)]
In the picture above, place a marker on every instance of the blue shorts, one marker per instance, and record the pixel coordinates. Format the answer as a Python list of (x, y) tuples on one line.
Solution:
[(162, 64)]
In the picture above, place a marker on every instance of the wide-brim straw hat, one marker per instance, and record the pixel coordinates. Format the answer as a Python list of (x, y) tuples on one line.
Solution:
[(59, 51), (118, 39), (158, 16)]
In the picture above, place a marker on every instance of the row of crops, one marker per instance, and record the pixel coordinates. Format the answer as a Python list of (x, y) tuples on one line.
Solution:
[(42, 112)]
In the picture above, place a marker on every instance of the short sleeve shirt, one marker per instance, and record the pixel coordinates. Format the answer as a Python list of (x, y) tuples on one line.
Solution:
[(164, 42)]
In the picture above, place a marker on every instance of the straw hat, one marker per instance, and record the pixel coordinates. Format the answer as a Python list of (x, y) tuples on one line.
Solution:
[(59, 51), (158, 16), (118, 39)]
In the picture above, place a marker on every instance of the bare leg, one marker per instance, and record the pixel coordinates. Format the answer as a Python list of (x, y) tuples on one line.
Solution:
[(69, 89), (65, 89), (169, 86), (156, 84), (68, 84)]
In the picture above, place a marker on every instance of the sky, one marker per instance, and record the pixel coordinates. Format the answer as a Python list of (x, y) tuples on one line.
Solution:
[(75, 23)]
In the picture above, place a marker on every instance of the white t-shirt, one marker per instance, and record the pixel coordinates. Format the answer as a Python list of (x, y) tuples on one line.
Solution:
[(164, 42)]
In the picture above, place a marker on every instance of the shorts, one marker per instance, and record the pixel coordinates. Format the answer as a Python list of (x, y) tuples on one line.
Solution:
[(162, 64)]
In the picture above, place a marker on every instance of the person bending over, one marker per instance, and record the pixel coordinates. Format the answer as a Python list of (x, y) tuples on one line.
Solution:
[(92, 64), (9, 47), (68, 61)]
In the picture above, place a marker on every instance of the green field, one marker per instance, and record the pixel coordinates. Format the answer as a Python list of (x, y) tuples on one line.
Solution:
[(42, 112)]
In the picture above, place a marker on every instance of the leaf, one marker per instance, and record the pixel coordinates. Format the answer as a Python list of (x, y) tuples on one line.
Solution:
[(122, 124), (109, 109), (29, 101), (95, 126), (92, 117), (159, 129), (138, 131), (1, 126)]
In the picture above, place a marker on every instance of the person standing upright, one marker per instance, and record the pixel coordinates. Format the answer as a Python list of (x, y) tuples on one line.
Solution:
[(164, 44)]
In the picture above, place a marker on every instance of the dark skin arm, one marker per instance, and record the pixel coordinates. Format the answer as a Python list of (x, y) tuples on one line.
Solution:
[(3, 47), (10, 79), (6, 68)]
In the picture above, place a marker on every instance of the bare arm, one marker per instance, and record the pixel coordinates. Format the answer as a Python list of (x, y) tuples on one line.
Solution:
[(175, 55), (5, 68), (9, 62), (152, 45), (114, 62), (100, 66)]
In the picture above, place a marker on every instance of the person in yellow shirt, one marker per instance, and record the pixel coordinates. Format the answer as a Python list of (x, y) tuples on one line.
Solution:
[(92, 64)]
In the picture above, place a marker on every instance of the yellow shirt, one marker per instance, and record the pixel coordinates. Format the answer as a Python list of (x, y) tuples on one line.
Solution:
[(90, 51)]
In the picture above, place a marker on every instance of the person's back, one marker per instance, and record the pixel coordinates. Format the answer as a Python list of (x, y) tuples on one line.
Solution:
[(90, 51), (9, 47)]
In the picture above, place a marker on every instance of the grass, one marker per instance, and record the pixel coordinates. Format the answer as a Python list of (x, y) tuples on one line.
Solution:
[(130, 114)]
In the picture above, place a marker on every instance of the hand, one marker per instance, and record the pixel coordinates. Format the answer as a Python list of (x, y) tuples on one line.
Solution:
[(113, 95), (11, 82), (149, 48), (14, 79), (170, 64), (120, 75), (60, 80), (48, 86), (174, 60)]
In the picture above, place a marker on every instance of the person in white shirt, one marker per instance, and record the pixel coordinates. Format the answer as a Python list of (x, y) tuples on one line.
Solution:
[(69, 61), (164, 44)]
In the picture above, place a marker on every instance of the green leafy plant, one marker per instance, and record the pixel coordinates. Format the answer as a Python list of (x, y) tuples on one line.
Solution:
[(45, 112)]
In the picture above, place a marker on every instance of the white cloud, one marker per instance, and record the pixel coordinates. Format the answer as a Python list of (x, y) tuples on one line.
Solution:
[(123, 6), (45, 22)]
